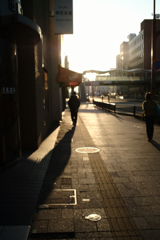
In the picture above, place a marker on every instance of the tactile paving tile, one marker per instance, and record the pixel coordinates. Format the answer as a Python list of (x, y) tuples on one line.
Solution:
[(120, 220)]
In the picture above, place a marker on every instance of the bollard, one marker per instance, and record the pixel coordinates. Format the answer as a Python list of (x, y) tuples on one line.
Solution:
[(134, 110)]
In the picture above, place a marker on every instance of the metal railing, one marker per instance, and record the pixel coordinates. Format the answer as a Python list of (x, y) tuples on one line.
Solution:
[(108, 106), (131, 110)]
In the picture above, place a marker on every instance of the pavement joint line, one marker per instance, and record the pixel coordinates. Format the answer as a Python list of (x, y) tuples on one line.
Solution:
[(121, 222)]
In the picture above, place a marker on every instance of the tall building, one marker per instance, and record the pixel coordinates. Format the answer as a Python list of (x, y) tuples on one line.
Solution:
[(136, 51), (124, 55), (118, 62), (139, 47)]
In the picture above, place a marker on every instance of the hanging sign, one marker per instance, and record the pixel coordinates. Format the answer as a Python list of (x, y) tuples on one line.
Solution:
[(69, 77), (73, 83), (63, 16)]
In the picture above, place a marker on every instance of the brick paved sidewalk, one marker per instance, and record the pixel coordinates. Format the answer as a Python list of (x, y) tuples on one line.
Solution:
[(95, 178), (70, 170), (120, 183), (133, 164)]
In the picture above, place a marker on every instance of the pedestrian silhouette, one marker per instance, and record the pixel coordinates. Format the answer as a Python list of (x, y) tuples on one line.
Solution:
[(149, 111), (109, 98), (74, 104)]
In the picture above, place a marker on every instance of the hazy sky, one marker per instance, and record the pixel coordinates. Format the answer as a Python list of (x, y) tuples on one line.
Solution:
[(100, 26)]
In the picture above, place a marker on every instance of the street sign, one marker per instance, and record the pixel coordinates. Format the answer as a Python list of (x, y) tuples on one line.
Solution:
[(156, 64), (63, 16)]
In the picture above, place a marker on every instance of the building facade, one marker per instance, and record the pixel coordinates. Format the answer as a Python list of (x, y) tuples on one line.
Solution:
[(136, 52), (124, 53), (139, 48), (31, 99), (118, 62)]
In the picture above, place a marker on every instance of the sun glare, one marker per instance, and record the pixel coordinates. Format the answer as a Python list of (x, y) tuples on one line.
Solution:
[(84, 55), (91, 76), (99, 30)]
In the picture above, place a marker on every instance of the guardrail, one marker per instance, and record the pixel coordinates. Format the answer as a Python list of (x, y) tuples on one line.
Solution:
[(108, 106), (112, 107), (133, 111)]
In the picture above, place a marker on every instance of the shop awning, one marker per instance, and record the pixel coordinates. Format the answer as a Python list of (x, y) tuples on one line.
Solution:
[(68, 78), (19, 28)]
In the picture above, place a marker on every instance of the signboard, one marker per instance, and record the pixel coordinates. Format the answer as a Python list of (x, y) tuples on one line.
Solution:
[(156, 65), (69, 77), (73, 83), (63, 16)]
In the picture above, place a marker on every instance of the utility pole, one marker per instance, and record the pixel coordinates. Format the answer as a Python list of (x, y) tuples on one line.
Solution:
[(153, 53)]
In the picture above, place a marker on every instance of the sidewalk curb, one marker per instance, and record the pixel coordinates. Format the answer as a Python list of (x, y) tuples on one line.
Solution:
[(14, 232), (43, 153)]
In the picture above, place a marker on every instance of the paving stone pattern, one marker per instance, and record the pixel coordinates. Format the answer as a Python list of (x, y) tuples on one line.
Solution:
[(120, 220), (132, 162), (120, 183), (70, 170)]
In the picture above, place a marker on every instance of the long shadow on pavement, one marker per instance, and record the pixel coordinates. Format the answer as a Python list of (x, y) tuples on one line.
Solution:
[(155, 144), (117, 116), (85, 110), (59, 160)]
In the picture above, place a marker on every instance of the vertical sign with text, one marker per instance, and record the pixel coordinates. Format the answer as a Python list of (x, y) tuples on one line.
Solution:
[(63, 16)]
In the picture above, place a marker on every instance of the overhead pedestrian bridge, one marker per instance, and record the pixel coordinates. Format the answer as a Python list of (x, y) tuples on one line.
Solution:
[(121, 77)]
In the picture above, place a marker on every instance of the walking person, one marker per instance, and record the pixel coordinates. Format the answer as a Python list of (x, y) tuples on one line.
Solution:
[(74, 104), (149, 110), (108, 98)]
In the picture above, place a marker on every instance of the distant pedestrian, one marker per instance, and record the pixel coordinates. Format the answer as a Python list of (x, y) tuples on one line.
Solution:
[(74, 104), (108, 98), (149, 111), (102, 96)]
